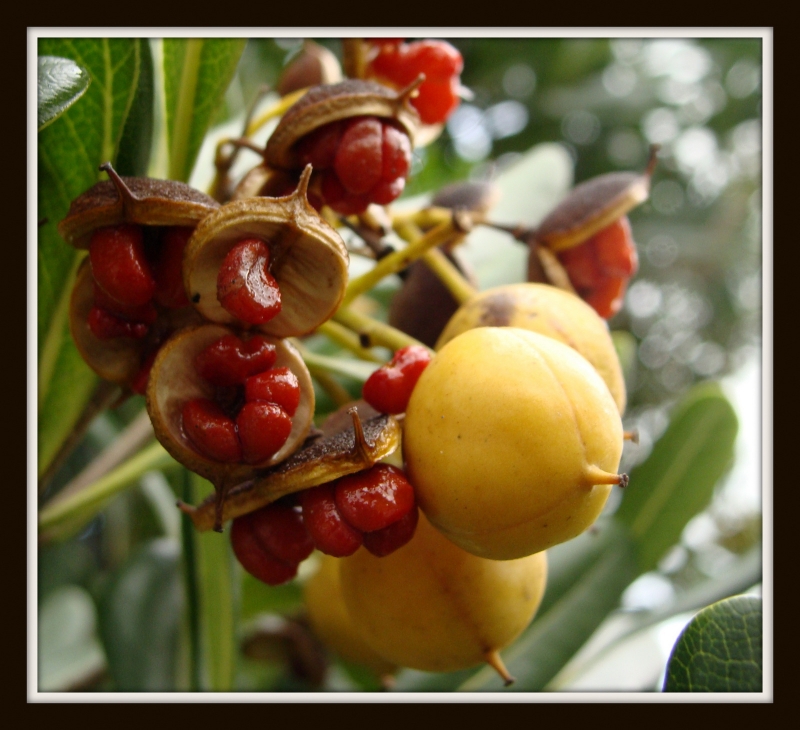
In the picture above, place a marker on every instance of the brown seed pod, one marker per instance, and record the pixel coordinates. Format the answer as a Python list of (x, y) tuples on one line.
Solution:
[(321, 460), (174, 381), (308, 259), (330, 103), (593, 205), (139, 200), (118, 360), (314, 65), (472, 195)]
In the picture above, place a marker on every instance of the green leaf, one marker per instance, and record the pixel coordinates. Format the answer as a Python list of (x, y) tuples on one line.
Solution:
[(69, 650), (218, 594), (196, 74), (135, 147), (678, 478), (140, 613), (61, 82), (720, 650), (70, 151)]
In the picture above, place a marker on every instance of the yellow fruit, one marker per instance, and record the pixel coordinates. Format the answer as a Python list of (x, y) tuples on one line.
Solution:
[(434, 607), (549, 311), (512, 442), (331, 622)]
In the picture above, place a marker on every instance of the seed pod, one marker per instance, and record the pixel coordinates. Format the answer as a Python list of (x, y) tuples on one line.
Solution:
[(175, 381), (308, 260), (138, 200), (319, 461), (314, 65), (330, 103)]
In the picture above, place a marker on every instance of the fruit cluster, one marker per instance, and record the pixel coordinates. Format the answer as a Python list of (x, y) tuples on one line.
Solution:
[(510, 416)]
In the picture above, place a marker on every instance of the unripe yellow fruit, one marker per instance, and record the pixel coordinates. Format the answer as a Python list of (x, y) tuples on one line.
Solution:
[(331, 622), (549, 311), (512, 442), (434, 607)]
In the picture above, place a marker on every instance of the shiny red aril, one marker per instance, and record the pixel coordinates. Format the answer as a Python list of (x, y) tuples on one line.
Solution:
[(271, 542), (329, 531), (279, 385), (119, 265), (358, 161), (375, 498), (600, 267), (263, 429), (211, 431), (245, 287), (230, 360), (107, 326), (318, 148), (389, 388), (138, 314), (384, 542), (168, 268)]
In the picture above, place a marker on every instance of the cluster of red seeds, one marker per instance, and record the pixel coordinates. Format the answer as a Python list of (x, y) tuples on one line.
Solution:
[(250, 417), (362, 160), (133, 278), (374, 508), (599, 268), (389, 388), (398, 64), (245, 286)]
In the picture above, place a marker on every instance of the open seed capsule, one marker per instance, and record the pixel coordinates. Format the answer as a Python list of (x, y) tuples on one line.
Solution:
[(203, 415), (306, 261), (319, 461)]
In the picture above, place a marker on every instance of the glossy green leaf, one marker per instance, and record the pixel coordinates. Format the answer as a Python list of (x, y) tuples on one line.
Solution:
[(140, 614), (218, 594), (135, 147), (61, 82), (197, 72), (69, 650), (720, 650), (70, 150), (678, 478)]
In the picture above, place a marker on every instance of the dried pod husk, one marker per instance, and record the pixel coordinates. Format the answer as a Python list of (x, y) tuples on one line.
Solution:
[(476, 196), (423, 306), (320, 460), (138, 200), (324, 104), (174, 381), (308, 259), (120, 359), (314, 65), (592, 206)]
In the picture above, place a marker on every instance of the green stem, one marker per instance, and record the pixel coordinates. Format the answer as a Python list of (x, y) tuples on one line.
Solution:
[(338, 393), (348, 339), (191, 586), (318, 364), (378, 333), (449, 275), (398, 260), (88, 501), (276, 110)]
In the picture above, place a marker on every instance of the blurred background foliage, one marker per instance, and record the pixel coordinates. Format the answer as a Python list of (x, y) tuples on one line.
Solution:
[(113, 597)]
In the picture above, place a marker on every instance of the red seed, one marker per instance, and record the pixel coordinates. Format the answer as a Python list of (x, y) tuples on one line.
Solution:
[(396, 154), (263, 429), (438, 60), (230, 360), (615, 249), (389, 388), (279, 385), (319, 147), (327, 528), (107, 326), (168, 268), (119, 265), (375, 498), (437, 100), (255, 559), (245, 287), (211, 431), (139, 314), (608, 297), (358, 161), (384, 542), (338, 198), (280, 530)]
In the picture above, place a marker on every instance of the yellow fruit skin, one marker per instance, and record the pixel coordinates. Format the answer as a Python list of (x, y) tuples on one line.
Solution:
[(331, 622), (434, 607), (549, 311), (503, 437)]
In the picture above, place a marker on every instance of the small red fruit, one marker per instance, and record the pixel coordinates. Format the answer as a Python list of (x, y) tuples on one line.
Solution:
[(245, 287), (263, 429), (211, 431), (168, 268), (279, 385), (384, 542), (389, 388), (373, 499), (328, 529), (230, 361), (107, 326), (271, 542), (119, 265)]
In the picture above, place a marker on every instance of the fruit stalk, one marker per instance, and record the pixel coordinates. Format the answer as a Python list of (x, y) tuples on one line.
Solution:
[(376, 333)]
